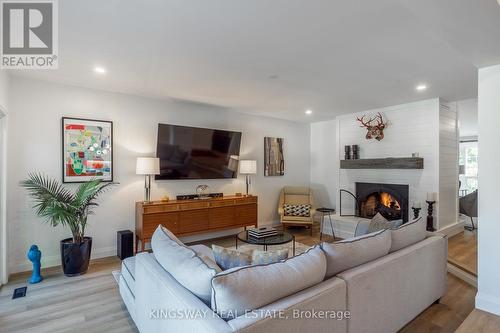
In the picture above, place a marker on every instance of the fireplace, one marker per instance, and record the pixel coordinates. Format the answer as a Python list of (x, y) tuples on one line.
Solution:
[(390, 200)]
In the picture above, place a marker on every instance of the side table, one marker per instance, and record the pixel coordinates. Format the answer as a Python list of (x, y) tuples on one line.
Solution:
[(324, 212)]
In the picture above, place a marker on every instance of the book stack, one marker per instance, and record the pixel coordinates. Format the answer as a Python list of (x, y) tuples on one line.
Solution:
[(262, 232)]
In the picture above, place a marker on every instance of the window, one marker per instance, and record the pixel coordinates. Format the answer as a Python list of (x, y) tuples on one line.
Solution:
[(469, 159)]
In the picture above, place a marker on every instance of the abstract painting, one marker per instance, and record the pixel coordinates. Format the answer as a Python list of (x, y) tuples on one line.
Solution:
[(87, 150), (274, 162)]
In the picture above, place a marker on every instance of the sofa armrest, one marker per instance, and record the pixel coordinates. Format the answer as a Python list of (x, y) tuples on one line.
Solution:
[(160, 299), (284, 315)]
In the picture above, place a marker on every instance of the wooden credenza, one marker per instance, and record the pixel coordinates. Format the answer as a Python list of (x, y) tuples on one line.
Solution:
[(189, 217)]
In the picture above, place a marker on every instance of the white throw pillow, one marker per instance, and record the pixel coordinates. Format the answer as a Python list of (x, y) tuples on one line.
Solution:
[(248, 288), (349, 253), (184, 264), (408, 234)]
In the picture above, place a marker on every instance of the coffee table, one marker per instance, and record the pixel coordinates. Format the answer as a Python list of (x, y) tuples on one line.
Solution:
[(282, 237)]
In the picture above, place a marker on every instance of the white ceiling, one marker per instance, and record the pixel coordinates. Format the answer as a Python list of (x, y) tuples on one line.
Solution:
[(331, 56)]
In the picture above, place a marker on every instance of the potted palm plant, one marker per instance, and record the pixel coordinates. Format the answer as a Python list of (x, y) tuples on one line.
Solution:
[(59, 206)]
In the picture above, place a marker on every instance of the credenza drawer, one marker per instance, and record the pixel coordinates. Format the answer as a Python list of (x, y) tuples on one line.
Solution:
[(168, 220), (160, 209), (193, 205), (245, 200), (193, 221), (221, 203)]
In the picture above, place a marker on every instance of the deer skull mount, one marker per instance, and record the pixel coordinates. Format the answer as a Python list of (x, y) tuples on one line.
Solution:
[(375, 131)]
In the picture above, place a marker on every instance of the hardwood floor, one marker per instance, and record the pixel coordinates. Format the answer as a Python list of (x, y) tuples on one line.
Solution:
[(91, 303), (462, 251), (480, 321)]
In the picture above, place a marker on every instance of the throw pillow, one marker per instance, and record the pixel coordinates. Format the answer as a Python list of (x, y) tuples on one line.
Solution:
[(268, 257), (408, 234), (228, 258), (297, 210), (248, 288), (378, 222), (184, 264)]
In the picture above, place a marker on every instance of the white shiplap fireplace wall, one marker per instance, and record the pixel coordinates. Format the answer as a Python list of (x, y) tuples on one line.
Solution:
[(426, 127)]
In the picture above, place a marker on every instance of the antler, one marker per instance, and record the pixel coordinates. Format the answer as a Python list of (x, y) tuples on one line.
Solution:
[(365, 124), (380, 120)]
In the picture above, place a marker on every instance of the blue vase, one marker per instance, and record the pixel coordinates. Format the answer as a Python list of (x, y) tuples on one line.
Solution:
[(34, 255)]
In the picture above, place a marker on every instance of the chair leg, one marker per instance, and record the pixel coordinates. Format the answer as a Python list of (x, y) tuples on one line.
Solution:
[(470, 228), (311, 227)]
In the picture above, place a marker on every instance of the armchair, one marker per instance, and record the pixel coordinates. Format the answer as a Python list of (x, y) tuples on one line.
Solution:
[(295, 196)]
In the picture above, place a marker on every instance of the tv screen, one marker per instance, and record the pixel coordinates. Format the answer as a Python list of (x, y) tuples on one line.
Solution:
[(197, 153)]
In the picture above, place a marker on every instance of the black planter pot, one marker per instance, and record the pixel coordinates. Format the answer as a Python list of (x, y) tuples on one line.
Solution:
[(75, 257)]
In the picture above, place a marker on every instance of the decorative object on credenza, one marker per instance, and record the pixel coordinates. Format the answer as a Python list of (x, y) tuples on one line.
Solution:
[(274, 162), (416, 207), (354, 152), (415, 155), (34, 255), (347, 152), (147, 166), (247, 168), (59, 206), (202, 191), (87, 150), (431, 200), (375, 131), (165, 198)]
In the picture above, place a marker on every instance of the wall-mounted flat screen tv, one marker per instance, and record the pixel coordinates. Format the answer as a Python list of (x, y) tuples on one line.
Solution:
[(197, 153)]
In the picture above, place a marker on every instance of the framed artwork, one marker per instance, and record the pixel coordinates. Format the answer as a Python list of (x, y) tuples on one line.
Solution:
[(87, 150), (274, 162)]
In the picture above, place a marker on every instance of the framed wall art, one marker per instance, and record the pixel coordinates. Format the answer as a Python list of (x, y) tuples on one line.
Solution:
[(274, 162), (87, 150)]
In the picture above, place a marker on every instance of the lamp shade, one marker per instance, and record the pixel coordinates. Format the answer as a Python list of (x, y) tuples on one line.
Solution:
[(147, 166), (248, 167)]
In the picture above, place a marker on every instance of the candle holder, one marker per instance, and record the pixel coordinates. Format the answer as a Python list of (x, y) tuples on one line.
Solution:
[(416, 212), (430, 218)]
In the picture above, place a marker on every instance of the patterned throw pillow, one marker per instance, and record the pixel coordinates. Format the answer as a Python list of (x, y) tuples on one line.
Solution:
[(228, 258), (297, 210), (379, 222), (268, 257)]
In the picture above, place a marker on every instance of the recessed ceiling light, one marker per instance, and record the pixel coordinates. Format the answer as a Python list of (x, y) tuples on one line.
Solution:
[(421, 87), (309, 111), (100, 70)]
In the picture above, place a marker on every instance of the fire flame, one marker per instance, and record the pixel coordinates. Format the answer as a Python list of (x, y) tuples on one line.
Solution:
[(387, 200)]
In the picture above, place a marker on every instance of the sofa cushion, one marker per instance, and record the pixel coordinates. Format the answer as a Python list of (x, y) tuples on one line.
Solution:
[(251, 287), (184, 264), (408, 234), (378, 222), (297, 210), (356, 251), (128, 273)]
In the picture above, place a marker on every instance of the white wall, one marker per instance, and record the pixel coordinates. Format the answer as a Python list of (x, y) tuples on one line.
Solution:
[(467, 114), (35, 129), (448, 166), (488, 296), (4, 87), (324, 162)]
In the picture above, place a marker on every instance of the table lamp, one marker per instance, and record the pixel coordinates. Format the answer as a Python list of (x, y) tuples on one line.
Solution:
[(147, 166), (247, 168)]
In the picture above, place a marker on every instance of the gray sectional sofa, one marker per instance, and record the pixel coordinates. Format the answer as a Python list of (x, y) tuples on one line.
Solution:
[(376, 283)]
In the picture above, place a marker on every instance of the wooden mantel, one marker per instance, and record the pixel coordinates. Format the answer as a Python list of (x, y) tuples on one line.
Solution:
[(384, 163)]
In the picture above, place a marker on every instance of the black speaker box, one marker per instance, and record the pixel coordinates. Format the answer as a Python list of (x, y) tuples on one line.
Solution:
[(125, 244)]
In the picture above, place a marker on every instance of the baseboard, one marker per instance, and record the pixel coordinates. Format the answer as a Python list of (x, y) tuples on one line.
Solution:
[(452, 229), (52, 261), (488, 303), (462, 275)]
